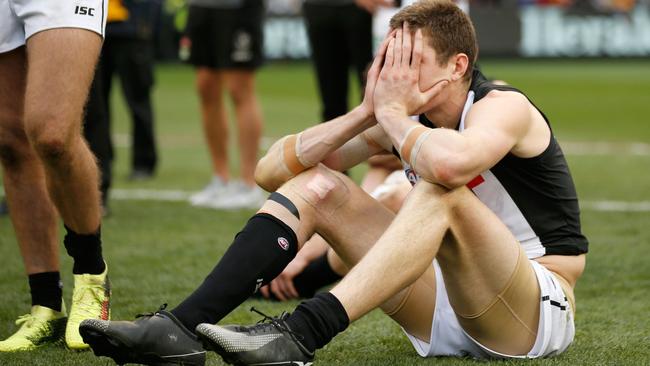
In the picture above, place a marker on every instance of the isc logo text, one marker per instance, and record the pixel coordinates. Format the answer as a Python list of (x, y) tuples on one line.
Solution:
[(84, 10)]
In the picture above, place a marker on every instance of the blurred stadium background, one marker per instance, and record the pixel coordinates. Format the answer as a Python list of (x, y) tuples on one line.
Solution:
[(585, 63)]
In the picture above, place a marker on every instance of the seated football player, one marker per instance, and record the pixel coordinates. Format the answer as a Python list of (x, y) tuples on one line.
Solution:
[(481, 260)]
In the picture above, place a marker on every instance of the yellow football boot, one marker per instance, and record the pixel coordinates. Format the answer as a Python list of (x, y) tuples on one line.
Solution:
[(90, 300), (42, 326)]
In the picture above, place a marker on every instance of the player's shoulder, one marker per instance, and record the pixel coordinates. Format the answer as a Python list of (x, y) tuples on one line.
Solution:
[(502, 102)]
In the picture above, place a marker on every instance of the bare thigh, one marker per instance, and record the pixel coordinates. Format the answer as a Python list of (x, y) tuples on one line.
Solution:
[(491, 284), (13, 73), (61, 68)]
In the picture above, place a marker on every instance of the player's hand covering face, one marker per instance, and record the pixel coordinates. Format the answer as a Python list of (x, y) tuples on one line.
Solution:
[(373, 75), (398, 86)]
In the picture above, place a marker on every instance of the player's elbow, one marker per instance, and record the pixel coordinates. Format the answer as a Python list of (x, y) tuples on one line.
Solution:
[(266, 176), (447, 171)]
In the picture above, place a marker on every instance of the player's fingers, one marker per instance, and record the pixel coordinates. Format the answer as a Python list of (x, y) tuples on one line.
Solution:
[(378, 62), (398, 48), (406, 45), (284, 289), (418, 46), (291, 289), (390, 53), (434, 90), (276, 290), (383, 47)]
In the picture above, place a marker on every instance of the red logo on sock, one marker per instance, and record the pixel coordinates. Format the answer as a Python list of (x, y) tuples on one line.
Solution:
[(283, 243)]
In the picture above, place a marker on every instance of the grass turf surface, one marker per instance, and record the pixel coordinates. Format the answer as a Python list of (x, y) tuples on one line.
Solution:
[(159, 251)]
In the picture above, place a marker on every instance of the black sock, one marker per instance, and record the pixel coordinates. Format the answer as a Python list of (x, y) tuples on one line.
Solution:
[(318, 320), (46, 289), (258, 254), (316, 275), (86, 250)]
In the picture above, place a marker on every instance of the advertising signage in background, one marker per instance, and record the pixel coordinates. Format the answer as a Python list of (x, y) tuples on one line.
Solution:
[(510, 28), (596, 28)]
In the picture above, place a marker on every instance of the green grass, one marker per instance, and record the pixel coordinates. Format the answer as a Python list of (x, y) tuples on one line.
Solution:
[(160, 251)]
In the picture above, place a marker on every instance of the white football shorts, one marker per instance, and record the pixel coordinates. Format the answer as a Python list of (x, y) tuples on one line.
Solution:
[(554, 334), (21, 19)]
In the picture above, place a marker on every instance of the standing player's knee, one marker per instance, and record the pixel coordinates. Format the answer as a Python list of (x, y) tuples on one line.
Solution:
[(208, 88), (14, 146), (240, 94), (241, 88), (49, 140)]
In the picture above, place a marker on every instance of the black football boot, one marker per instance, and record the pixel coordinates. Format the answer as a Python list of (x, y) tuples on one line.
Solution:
[(269, 342), (155, 339)]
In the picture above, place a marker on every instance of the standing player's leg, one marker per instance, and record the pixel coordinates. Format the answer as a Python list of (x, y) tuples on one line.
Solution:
[(54, 102), (32, 213), (241, 87), (61, 65), (134, 63), (240, 84), (210, 84)]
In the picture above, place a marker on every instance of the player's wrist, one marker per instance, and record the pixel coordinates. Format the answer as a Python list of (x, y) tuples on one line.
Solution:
[(364, 115), (390, 112)]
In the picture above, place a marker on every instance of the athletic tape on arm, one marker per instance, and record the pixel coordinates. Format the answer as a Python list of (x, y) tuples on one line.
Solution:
[(414, 137), (290, 155)]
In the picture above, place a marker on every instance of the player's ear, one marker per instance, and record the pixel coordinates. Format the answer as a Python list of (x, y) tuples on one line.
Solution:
[(458, 64)]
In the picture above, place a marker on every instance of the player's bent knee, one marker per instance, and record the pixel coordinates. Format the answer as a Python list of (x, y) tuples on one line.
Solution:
[(320, 187)]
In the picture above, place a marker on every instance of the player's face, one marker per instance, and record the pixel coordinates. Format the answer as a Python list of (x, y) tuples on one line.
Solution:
[(431, 72)]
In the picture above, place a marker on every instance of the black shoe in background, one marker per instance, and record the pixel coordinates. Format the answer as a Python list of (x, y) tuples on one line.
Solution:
[(152, 339), (270, 342), (4, 209)]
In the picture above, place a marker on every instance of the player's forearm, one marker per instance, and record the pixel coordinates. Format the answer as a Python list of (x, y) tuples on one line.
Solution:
[(438, 156), (295, 153), (318, 142)]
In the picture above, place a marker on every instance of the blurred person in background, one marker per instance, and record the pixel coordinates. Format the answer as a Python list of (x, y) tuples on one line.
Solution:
[(128, 51), (340, 36), (48, 51), (97, 132), (225, 39)]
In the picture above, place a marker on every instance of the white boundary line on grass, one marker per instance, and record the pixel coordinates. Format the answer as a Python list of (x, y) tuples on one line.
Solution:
[(179, 196)]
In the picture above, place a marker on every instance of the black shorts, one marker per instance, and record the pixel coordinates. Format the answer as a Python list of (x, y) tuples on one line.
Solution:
[(226, 38)]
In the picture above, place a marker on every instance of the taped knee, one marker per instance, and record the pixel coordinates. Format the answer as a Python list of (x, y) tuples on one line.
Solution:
[(321, 189)]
